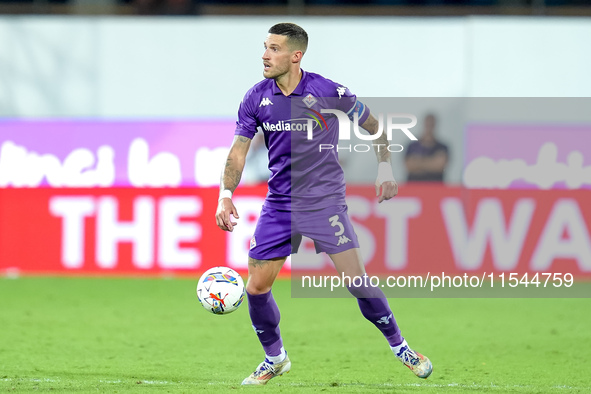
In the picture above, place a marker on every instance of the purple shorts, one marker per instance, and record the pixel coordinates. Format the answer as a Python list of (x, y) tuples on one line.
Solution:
[(279, 233)]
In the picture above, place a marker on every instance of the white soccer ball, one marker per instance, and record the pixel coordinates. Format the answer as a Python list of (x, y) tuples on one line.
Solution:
[(220, 290)]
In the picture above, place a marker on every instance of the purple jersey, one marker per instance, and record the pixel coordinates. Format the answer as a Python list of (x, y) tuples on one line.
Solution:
[(303, 177)]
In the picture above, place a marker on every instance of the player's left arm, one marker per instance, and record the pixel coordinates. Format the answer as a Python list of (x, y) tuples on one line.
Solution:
[(385, 180)]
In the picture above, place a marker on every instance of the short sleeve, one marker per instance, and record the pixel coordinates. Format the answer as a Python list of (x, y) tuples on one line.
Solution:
[(348, 103), (246, 124)]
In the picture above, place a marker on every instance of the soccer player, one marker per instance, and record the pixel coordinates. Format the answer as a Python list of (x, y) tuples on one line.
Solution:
[(306, 193)]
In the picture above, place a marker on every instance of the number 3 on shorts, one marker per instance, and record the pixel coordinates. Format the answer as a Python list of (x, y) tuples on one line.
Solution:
[(334, 222)]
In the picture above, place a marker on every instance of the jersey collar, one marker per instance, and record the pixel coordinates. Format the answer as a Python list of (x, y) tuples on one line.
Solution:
[(299, 90)]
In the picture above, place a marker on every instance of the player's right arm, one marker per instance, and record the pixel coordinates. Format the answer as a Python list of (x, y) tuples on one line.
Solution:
[(230, 179)]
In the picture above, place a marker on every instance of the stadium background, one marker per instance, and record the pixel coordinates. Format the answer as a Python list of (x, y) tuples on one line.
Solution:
[(162, 92), (114, 127)]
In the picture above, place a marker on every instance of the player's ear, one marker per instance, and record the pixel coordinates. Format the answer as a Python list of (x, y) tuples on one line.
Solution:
[(297, 56)]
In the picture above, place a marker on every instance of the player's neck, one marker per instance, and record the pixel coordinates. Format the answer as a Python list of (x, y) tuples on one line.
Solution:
[(288, 82)]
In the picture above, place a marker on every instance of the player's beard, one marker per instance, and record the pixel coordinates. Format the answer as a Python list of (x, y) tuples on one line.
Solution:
[(276, 71)]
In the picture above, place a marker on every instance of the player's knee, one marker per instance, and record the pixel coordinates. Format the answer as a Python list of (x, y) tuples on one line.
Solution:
[(255, 287)]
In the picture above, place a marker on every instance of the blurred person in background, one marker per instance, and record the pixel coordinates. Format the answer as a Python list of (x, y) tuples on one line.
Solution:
[(426, 159), (166, 7)]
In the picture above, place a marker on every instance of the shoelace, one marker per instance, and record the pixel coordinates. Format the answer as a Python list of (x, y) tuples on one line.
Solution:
[(263, 367), (410, 357)]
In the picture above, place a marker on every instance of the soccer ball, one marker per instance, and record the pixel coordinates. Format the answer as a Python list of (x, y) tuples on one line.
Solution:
[(220, 290)]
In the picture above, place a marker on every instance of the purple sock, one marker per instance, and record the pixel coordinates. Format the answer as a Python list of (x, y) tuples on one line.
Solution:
[(375, 308), (265, 316)]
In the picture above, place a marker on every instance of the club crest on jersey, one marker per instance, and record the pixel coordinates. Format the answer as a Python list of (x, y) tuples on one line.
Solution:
[(309, 100), (253, 242), (341, 90), (265, 101)]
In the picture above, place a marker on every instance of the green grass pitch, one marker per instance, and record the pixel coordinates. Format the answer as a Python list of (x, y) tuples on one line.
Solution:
[(149, 335)]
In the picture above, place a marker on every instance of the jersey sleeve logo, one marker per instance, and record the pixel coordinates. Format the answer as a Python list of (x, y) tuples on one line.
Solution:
[(341, 90), (265, 101)]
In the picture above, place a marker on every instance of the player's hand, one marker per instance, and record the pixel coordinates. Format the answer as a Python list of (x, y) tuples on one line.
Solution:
[(388, 190), (222, 216), (385, 182)]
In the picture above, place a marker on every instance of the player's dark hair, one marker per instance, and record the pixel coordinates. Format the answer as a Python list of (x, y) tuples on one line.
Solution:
[(296, 36)]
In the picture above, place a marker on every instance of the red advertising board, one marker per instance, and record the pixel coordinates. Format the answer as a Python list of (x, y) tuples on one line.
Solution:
[(161, 231)]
